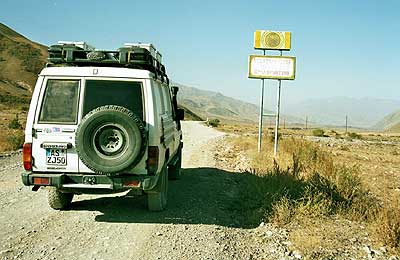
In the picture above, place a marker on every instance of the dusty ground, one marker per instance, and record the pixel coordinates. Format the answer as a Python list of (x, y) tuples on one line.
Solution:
[(377, 157), (198, 223), (376, 153), (202, 220)]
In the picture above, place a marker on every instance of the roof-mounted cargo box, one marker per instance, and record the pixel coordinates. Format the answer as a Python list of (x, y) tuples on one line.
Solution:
[(148, 46), (130, 56), (82, 45)]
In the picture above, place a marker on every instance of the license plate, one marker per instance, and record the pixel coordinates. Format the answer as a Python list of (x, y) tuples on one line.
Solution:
[(56, 156)]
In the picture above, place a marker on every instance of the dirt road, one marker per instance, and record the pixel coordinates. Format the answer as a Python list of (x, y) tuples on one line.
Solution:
[(198, 224)]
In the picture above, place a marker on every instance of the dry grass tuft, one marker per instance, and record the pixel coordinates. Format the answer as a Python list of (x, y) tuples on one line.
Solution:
[(305, 182), (11, 140), (387, 224)]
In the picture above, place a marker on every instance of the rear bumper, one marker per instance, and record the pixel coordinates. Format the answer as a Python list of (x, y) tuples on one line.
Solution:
[(89, 183)]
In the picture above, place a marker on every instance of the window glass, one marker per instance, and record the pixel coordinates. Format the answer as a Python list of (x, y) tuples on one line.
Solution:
[(127, 94), (167, 99), (60, 102), (160, 98)]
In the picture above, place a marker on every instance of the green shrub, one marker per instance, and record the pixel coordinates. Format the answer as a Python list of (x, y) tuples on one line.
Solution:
[(16, 141), (213, 122), (318, 132), (354, 135), (272, 137), (15, 124)]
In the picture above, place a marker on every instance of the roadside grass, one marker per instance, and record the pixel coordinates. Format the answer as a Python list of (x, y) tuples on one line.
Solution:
[(12, 122), (11, 139), (387, 224), (305, 183)]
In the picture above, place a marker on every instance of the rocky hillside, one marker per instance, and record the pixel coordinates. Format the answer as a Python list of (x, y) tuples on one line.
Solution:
[(390, 122), (209, 104), (20, 62), (189, 115)]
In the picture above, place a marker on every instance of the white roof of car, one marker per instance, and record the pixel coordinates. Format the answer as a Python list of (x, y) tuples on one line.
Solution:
[(96, 72)]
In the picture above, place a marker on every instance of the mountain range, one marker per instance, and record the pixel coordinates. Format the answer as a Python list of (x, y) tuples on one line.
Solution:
[(21, 60), (360, 112), (209, 104), (390, 122)]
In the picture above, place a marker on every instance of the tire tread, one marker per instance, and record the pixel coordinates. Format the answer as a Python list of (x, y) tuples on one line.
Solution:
[(59, 200)]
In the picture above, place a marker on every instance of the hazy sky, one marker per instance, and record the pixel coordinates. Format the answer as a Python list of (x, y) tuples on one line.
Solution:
[(343, 48)]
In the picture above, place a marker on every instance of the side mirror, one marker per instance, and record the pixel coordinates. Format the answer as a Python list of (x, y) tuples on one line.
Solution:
[(175, 90), (180, 114)]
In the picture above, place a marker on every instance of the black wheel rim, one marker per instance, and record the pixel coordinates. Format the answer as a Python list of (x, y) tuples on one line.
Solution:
[(109, 140)]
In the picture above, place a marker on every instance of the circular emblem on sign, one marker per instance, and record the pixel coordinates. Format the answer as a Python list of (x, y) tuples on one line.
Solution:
[(272, 39)]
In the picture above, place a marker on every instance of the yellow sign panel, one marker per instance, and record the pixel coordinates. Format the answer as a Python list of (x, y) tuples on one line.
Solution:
[(272, 67), (272, 40)]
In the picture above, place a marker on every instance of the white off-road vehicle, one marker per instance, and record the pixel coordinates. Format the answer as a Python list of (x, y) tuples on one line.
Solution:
[(103, 122)]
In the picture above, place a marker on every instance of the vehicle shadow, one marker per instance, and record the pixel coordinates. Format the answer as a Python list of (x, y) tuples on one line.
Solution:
[(201, 196)]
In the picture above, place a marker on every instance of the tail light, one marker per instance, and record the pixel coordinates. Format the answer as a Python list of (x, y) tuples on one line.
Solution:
[(27, 156), (131, 183), (152, 160), (41, 181)]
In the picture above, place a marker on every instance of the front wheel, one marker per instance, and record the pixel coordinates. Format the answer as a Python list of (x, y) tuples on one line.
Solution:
[(58, 199), (157, 200)]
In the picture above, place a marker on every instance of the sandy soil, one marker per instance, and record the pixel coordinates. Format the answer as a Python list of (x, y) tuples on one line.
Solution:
[(196, 225), (202, 221)]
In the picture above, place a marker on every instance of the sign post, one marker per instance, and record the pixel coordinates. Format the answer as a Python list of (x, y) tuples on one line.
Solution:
[(278, 105), (271, 67), (260, 118)]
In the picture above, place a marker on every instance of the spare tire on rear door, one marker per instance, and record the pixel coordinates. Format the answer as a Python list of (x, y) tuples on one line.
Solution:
[(110, 139)]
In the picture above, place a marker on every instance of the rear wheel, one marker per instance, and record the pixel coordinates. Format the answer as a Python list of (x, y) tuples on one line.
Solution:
[(175, 170), (58, 199), (157, 200)]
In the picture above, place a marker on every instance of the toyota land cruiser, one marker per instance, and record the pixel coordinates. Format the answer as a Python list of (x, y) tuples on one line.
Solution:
[(103, 122)]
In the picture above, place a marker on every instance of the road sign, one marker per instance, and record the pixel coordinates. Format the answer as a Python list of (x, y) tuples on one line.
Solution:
[(272, 67), (272, 40)]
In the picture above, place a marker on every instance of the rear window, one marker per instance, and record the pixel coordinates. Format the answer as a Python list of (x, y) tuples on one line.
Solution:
[(60, 102), (127, 94)]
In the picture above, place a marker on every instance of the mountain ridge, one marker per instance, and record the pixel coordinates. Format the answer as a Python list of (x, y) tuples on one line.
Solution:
[(333, 110), (20, 62), (390, 122), (209, 104)]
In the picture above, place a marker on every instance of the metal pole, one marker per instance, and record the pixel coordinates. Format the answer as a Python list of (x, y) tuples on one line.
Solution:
[(278, 105), (346, 124), (260, 119), (278, 102)]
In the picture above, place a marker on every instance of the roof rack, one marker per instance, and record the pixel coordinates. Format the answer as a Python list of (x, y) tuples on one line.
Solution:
[(134, 56), (83, 45)]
